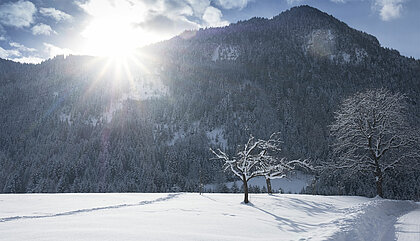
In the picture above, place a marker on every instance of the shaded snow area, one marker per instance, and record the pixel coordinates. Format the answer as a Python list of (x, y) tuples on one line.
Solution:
[(323, 43), (216, 138), (143, 89), (189, 216), (225, 52), (181, 133), (294, 183), (65, 118), (408, 226)]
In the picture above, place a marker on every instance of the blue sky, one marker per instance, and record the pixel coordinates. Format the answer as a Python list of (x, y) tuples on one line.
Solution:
[(31, 31)]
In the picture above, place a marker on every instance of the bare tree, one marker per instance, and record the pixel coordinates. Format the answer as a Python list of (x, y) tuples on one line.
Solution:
[(244, 165), (256, 159), (371, 134), (274, 167)]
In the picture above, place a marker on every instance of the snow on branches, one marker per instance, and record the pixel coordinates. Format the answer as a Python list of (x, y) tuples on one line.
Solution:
[(258, 158), (371, 133)]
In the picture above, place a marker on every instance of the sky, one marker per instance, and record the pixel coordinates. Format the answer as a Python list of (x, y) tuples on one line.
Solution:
[(34, 30)]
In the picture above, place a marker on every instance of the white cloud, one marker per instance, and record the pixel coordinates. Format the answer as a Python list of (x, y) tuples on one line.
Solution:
[(21, 47), (2, 38), (213, 17), (7, 53), (389, 9), (16, 54), (143, 22), (231, 4), (147, 21), (17, 14), (139, 10), (53, 50), (42, 29), (291, 2), (55, 13)]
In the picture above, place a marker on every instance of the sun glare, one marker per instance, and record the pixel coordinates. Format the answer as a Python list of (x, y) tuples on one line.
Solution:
[(110, 37), (114, 33), (115, 30)]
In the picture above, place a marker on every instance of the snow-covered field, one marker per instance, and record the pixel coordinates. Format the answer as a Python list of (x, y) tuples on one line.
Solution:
[(189, 216)]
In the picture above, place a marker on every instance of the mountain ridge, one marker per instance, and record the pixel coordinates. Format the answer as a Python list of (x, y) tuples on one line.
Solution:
[(70, 125)]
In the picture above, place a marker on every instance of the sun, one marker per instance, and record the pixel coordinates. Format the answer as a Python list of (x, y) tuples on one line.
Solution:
[(110, 37), (116, 28), (115, 31)]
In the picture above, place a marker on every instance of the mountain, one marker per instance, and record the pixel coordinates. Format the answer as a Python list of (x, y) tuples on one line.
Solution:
[(84, 124)]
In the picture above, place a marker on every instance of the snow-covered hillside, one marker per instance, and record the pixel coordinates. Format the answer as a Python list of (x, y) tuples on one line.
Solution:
[(189, 216)]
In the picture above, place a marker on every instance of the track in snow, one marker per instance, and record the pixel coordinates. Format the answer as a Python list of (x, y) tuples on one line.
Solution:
[(407, 227), (8, 219)]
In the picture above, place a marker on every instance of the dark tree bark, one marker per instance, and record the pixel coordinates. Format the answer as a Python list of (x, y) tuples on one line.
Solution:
[(379, 188), (378, 171), (378, 176), (268, 181), (245, 182)]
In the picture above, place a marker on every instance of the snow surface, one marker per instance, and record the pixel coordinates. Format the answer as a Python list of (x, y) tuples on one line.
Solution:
[(321, 42), (215, 55), (189, 216), (143, 89), (216, 137), (346, 57), (408, 226), (225, 52), (66, 118), (181, 133), (361, 54)]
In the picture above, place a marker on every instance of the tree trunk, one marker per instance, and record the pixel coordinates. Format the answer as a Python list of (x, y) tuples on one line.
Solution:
[(379, 190), (378, 176), (200, 185), (268, 181), (245, 189)]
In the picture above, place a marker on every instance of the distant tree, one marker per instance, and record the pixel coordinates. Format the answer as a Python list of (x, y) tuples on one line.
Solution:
[(256, 159), (263, 189), (274, 167), (371, 134), (235, 188)]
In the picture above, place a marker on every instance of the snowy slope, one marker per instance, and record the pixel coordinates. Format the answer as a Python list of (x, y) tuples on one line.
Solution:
[(182, 216), (408, 226)]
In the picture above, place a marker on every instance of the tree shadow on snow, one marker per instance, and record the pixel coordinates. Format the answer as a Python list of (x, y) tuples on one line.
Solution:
[(86, 210), (283, 222), (312, 208)]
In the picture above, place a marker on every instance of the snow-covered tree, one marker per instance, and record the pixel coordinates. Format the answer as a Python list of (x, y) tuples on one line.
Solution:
[(274, 167), (257, 159), (245, 164), (371, 134)]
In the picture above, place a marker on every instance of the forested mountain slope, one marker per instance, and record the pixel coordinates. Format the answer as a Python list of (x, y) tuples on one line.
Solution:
[(83, 124)]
